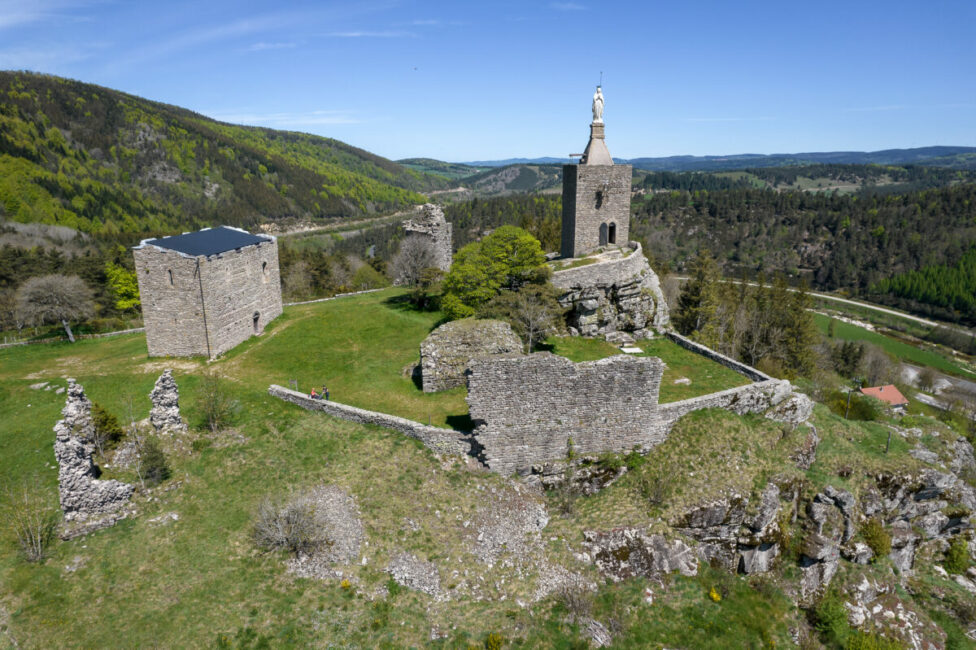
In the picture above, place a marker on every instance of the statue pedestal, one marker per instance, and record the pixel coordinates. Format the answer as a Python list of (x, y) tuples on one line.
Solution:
[(596, 130)]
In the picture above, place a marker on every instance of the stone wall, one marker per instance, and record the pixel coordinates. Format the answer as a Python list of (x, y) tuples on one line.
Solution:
[(239, 285), (728, 362), (442, 441), (528, 408), (195, 305), (447, 351), (594, 196), (617, 295), (432, 226)]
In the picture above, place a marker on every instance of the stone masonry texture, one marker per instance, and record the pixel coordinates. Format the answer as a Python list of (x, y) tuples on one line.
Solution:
[(446, 352), (165, 412), (195, 305), (617, 295), (82, 495), (594, 196), (432, 226), (527, 409)]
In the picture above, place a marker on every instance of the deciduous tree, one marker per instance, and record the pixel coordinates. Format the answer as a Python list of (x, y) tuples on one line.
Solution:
[(55, 298)]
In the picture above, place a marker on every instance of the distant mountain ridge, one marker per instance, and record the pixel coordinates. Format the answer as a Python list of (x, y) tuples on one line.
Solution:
[(941, 156)]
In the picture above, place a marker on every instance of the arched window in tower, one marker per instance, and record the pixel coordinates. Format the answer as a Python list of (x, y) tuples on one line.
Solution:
[(604, 233), (264, 272), (256, 322), (612, 234)]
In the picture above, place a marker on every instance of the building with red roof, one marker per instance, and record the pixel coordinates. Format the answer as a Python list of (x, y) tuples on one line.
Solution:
[(889, 394)]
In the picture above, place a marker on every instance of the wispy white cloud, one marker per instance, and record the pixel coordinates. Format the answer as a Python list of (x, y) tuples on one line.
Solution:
[(46, 58), (16, 13), (566, 6), (262, 46), (285, 120), (373, 34)]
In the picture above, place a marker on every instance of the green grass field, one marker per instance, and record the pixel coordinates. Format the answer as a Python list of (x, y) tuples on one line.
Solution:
[(899, 349)]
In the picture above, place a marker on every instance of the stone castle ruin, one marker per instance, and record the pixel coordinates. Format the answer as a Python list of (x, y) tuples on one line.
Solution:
[(431, 226), (204, 292), (165, 413), (529, 410), (83, 497), (613, 293)]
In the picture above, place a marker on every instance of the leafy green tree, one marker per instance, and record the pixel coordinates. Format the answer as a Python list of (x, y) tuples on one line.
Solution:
[(124, 286), (508, 258)]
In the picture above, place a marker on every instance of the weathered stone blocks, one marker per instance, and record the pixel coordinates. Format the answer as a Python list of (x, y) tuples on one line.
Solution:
[(165, 412), (82, 495), (447, 351), (432, 226)]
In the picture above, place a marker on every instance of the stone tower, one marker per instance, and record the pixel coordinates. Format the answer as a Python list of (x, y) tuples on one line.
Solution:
[(431, 226), (204, 292), (596, 195)]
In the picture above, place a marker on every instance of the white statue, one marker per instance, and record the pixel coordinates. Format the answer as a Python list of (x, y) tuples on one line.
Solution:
[(598, 106)]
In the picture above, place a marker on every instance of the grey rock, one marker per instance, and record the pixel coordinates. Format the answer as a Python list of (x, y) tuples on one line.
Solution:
[(904, 541), (757, 559), (924, 455), (165, 412), (768, 508), (962, 456), (795, 410), (858, 553), (624, 553), (932, 524), (82, 495), (806, 454), (818, 564)]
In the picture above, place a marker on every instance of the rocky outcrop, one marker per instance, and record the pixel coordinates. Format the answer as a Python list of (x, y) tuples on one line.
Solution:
[(806, 454), (624, 553), (758, 546), (165, 412), (831, 514), (716, 526), (795, 410), (446, 353), (83, 497), (616, 295), (335, 512)]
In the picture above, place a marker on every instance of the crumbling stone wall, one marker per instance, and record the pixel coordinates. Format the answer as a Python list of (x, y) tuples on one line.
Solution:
[(446, 352), (82, 495), (206, 305), (620, 295), (442, 441), (432, 226), (528, 408), (165, 412), (708, 353)]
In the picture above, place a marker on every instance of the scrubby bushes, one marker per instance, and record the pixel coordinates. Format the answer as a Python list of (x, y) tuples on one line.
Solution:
[(877, 538), (31, 518), (957, 557), (153, 467), (108, 431), (291, 525)]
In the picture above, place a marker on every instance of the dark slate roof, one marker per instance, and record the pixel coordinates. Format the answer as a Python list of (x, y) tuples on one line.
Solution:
[(208, 242)]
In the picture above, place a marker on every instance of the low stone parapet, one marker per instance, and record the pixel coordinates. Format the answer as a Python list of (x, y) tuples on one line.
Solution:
[(728, 362), (442, 441)]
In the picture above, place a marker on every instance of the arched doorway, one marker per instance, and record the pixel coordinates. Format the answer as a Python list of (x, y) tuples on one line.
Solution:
[(603, 234), (257, 322), (612, 234)]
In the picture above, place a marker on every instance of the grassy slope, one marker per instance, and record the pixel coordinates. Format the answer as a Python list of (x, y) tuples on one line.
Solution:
[(901, 350), (191, 581)]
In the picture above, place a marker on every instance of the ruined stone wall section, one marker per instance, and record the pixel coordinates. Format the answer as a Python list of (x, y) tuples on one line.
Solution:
[(237, 286), (728, 362), (433, 227), (594, 195), (446, 352), (528, 408), (171, 308), (442, 441)]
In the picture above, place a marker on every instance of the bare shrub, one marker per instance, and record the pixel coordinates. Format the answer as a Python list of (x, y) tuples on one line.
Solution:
[(415, 255), (653, 489), (55, 299), (215, 402), (31, 518), (290, 525), (576, 598)]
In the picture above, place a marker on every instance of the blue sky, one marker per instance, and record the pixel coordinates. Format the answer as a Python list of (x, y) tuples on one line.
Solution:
[(486, 80)]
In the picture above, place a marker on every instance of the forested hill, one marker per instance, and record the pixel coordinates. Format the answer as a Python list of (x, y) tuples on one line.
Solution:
[(104, 162)]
